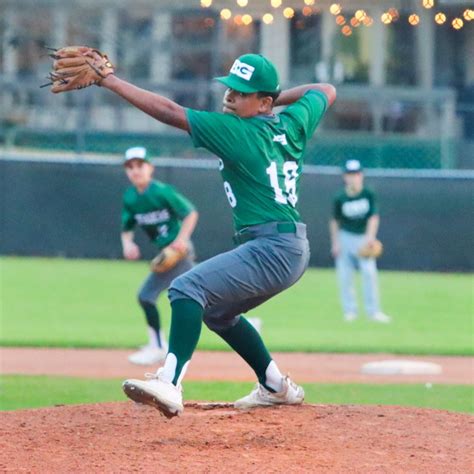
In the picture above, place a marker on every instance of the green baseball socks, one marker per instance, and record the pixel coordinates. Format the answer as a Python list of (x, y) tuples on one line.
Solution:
[(186, 322)]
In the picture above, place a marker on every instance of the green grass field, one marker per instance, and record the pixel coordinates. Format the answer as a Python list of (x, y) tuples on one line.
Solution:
[(18, 392), (91, 303)]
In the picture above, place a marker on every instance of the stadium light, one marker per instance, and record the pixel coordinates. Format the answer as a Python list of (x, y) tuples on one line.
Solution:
[(267, 18), (288, 12), (468, 14), (355, 22), (386, 18), (394, 14), (440, 18), (414, 19), (457, 23), (360, 15), (346, 30), (368, 21), (335, 9), (226, 14), (247, 19)]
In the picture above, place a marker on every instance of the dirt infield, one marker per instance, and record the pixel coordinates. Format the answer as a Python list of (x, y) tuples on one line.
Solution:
[(305, 368), (216, 438), (124, 437)]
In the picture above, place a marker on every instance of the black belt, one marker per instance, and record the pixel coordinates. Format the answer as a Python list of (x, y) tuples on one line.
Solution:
[(251, 233)]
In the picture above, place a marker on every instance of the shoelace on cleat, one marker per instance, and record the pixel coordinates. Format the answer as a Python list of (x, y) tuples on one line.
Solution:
[(156, 376)]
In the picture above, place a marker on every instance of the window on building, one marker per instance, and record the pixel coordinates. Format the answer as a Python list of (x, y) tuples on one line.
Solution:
[(451, 57), (400, 57), (87, 30), (135, 40), (194, 40), (352, 56), (237, 39), (305, 41), (194, 36)]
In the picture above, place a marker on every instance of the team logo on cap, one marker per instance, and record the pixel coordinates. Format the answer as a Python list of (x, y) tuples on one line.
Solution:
[(242, 70)]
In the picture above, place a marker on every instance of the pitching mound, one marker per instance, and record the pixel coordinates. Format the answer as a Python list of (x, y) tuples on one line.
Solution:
[(215, 438)]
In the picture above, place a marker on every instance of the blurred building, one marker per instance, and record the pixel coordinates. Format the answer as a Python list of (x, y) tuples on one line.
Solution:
[(403, 67)]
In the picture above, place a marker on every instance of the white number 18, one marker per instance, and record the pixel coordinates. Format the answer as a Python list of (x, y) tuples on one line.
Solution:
[(290, 171)]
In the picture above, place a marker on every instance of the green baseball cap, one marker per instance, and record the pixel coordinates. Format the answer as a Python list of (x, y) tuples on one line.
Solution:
[(137, 153), (252, 73)]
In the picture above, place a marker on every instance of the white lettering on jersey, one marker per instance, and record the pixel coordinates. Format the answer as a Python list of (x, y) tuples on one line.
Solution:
[(242, 70), (356, 209), (163, 230), (154, 217), (280, 139), (221, 165)]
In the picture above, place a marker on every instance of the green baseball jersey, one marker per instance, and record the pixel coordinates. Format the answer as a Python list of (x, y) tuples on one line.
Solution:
[(159, 211), (353, 212), (261, 158)]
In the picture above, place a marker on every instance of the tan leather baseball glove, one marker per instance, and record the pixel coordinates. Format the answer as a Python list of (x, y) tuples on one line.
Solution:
[(167, 259), (373, 250), (77, 67)]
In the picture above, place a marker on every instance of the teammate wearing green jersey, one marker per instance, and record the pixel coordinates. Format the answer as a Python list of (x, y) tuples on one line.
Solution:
[(260, 159), (168, 219), (355, 223)]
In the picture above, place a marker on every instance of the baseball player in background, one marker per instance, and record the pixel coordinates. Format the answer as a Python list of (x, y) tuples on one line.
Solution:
[(260, 159), (168, 219), (355, 223)]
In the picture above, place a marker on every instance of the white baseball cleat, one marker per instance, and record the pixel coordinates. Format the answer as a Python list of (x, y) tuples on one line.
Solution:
[(380, 318), (349, 317), (148, 355), (291, 394), (164, 396)]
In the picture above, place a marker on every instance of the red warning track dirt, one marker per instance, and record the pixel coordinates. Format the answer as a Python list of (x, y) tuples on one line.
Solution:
[(330, 368), (123, 437)]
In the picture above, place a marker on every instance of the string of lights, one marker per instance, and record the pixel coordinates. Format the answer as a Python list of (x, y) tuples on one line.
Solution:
[(347, 21)]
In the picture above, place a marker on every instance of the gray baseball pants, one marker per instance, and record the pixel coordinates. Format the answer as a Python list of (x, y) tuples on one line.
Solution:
[(347, 263), (227, 285), (155, 283)]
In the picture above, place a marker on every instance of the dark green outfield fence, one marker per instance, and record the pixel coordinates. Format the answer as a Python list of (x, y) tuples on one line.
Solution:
[(72, 209), (389, 151)]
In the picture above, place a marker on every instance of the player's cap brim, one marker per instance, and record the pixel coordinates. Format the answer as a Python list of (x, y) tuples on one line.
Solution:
[(136, 153), (234, 83), (127, 160)]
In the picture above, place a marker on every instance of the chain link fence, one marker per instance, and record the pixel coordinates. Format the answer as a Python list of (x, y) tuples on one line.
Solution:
[(395, 133)]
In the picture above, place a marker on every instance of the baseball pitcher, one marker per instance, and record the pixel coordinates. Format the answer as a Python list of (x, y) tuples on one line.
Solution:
[(260, 156)]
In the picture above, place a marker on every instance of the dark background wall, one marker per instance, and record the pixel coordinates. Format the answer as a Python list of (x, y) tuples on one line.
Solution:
[(73, 210)]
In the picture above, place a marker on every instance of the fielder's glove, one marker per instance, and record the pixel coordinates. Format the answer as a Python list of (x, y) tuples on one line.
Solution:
[(371, 250), (167, 259), (77, 67)]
